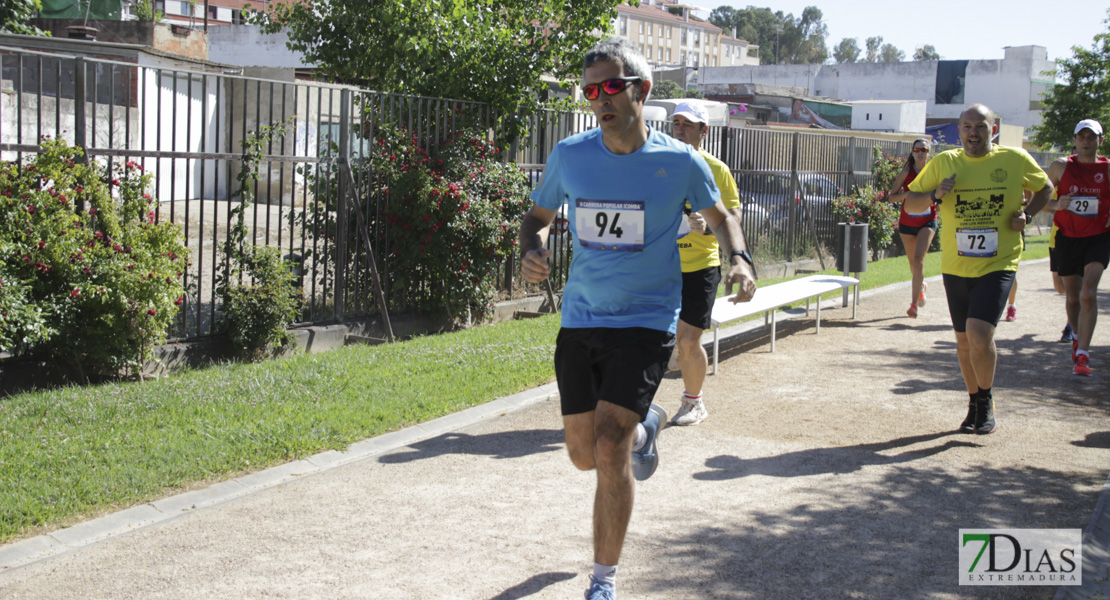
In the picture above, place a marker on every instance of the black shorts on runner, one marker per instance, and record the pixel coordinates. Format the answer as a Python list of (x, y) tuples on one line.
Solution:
[(1074, 254), (981, 297), (699, 291), (621, 366), (910, 230), (1052, 266)]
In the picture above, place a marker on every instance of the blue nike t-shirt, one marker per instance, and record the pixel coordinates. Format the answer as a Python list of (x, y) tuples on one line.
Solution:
[(624, 211)]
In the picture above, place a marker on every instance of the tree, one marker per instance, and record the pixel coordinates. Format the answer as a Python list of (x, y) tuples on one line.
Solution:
[(1085, 95), (14, 15), (873, 45), (493, 51), (781, 37), (665, 89), (926, 52), (847, 51), (890, 54)]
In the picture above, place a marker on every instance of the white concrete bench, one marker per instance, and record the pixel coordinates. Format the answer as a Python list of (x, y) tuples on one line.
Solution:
[(768, 300)]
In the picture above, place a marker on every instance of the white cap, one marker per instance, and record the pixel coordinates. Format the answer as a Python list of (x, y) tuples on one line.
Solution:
[(1091, 124), (694, 113)]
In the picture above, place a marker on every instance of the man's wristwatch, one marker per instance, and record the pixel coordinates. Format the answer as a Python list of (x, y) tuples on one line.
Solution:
[(743, 254)]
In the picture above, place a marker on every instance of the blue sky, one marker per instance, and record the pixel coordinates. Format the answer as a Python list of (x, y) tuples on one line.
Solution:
[(953, 26)]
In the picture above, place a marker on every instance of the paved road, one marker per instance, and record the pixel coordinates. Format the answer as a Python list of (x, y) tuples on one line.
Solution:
[(827, 469)]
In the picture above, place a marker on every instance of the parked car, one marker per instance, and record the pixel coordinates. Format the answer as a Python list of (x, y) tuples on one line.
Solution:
[(776, 192)]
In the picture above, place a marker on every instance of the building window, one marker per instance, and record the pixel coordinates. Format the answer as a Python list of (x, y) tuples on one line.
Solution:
[(660, 53), (684, 33), (727, 49), (641, 49), (668, 32), (641, 27), (696, 61), (682, 58), (697, 39), (649, 53), (650, 27), (668, 55), (624, 25)]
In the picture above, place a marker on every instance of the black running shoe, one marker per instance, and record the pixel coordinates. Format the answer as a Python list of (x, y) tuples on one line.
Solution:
[(968, 426), (1066, 335), (984, 419)]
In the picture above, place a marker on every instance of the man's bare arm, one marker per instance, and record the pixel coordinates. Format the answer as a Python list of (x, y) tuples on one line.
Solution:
[(730, 234), (533, 256)]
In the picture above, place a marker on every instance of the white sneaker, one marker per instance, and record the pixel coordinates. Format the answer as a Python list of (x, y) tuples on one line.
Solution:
[(690, 413)]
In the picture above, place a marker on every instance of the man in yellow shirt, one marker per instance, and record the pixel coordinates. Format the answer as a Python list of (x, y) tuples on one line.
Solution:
[(980, 189), (701, 268)]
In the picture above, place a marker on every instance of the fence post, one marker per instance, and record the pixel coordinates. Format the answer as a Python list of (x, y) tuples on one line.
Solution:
[(341, 240), (79, 131), (791, 231)]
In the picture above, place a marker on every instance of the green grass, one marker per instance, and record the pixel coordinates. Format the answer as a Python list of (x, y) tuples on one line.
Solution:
[(71, 453), (74, 452)]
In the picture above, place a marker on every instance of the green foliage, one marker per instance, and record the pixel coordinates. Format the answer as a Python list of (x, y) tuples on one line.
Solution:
[(493, 51), (847, 51), (871, 204), (885, 168), (781, 37), (450, 219), (90, 281), (1086, 95), (926, 52), (256, 315), (14, 15), (144, 11), (665, 89), (256, 286)]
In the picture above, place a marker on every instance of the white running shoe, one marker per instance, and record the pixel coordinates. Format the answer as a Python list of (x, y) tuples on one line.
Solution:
[(691, 413)]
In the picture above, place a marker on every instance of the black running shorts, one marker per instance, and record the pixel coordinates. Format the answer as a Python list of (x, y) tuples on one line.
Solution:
[(910, 230), (621, 366), (981, 297), (1074, 254), (699, 291)]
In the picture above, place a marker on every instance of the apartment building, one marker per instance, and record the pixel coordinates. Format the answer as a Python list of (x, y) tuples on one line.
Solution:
[(670, 34), (186, 12)]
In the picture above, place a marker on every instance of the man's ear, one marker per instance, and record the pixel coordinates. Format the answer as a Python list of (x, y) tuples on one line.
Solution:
[(645, 89), (994, 129)]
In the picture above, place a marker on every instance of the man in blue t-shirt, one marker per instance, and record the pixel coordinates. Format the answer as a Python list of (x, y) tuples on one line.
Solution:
[(626, 186)]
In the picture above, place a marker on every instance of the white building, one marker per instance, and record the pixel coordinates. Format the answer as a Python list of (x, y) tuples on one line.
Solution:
[(1013, 87), (896, 116)]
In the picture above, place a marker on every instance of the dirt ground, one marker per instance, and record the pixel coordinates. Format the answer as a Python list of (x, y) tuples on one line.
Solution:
[(827, 469)]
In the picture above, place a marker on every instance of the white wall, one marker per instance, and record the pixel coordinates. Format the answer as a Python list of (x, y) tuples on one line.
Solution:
[(1011, 86), (246, 45), (899, 117)]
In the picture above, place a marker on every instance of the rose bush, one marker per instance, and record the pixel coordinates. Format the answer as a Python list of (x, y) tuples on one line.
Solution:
[(451, 218), (89, 280)]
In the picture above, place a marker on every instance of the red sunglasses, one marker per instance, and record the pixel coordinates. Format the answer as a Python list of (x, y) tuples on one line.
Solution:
[(920, 149), (611, 87)]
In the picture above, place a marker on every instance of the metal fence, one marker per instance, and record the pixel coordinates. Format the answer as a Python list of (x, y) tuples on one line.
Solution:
[(187, 127)]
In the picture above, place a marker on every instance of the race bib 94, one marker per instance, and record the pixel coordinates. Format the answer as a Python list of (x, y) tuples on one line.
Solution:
[(977, 243), (614, 225), (1084, 206)]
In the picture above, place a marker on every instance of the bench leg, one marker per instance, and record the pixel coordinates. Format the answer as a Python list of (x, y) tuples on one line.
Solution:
[(774, 322), (716, 347), (818, 315), (856, 304), (807, 305)]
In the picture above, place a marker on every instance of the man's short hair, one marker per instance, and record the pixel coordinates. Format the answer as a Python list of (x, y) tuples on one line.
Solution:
[(982, 109), (633, 63)]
